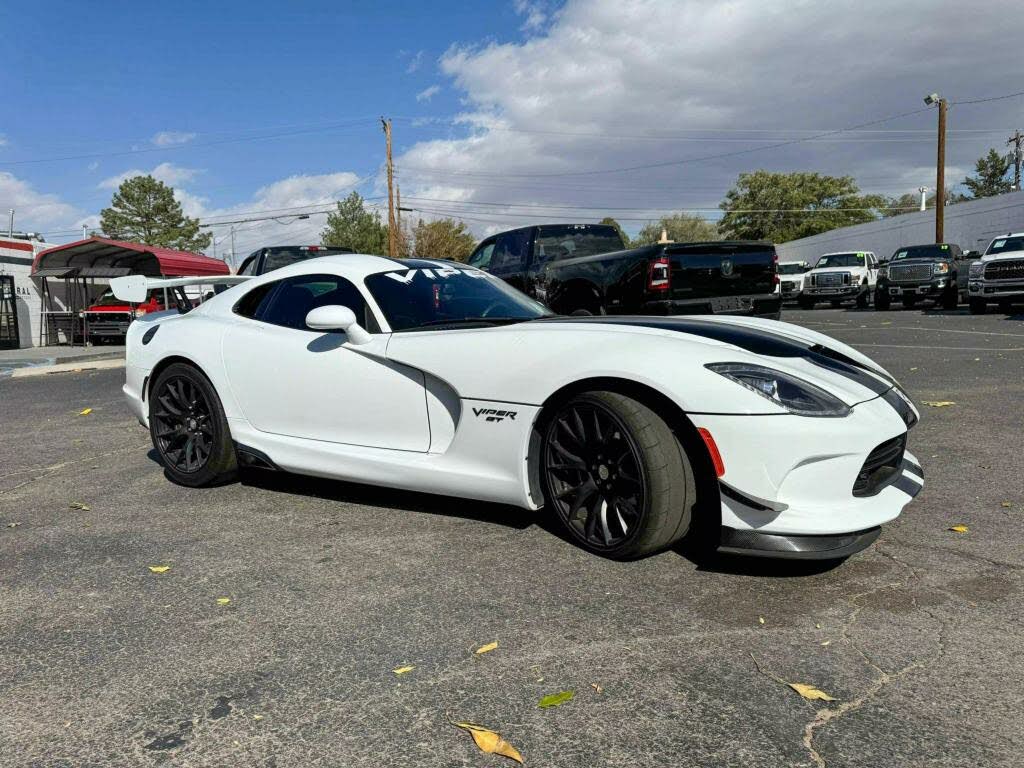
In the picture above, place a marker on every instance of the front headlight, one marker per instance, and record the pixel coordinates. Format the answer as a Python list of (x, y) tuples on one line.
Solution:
[(976, 269), (795, 395), (941, 268), (883, 271)]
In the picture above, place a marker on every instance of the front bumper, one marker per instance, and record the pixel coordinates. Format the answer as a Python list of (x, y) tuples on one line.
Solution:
[(764, 305), (794, 476), (775, 545), (838, 293), (995, 289), (923, 289)]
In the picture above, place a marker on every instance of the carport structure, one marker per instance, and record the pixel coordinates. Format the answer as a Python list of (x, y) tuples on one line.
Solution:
[(80, 264)]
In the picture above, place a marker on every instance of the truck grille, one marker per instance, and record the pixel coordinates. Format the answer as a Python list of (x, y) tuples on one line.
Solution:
[(1005, 270), (832, 279), (910, 272), (882, 465)]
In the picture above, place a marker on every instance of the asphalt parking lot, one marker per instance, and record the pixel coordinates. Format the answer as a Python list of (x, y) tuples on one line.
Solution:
[(331, 586)]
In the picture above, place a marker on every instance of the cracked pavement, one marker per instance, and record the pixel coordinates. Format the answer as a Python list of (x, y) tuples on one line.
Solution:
[(333, 585)]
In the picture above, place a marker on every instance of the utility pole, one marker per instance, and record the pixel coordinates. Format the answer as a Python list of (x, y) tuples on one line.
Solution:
[(398, 211), (232, 246), (1015, 141), (392, 223), (940, 176), (10, 229)]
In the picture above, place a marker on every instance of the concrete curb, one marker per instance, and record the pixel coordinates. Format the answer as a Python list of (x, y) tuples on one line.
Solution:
[(43, 370)]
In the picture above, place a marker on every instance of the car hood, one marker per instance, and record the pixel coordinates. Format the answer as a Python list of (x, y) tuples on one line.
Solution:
[(526, 362), (1006, 255)]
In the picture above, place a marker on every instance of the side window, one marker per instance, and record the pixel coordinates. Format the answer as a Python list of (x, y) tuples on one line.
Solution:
[(256, 299), (481, 258), (510, 251), (249, 265), (297, 296)]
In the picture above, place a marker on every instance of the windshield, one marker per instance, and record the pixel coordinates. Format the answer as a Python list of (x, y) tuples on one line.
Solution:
[(922, 252), (841, 260), (1006, 244), (792, 269), (283, 256), (565, 242), (419, 298)]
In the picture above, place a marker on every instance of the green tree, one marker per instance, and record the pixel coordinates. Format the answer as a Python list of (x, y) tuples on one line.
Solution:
[(442, 239), (990, 175), (610, 222), (144, 210), (785, 206), (680, 227), (353, 226)]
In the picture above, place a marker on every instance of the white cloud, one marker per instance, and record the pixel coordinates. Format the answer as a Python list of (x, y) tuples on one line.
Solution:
[(34, 211), (168, 173), (172, 138), (604, 85), (414, 62), (3, 140), (428, 93), (534, 14), (93, 165)]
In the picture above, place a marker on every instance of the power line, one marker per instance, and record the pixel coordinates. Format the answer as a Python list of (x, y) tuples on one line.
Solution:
[(990, 98)]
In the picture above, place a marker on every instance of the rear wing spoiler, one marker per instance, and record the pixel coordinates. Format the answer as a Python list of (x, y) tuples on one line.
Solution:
[(135, 288)]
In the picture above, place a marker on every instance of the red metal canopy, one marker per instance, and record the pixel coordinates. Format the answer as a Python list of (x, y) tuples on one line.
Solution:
[(100, 256)]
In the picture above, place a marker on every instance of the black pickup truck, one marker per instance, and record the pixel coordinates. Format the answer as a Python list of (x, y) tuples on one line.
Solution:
[(931, 271), (584, 269), (274, 257)]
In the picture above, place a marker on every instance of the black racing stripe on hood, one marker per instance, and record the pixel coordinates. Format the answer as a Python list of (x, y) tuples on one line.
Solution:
[(758, 341)]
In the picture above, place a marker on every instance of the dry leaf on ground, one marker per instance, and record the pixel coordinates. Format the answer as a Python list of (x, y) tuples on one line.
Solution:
[(223, 600), (760, 619), (85, 412), (555, 699), (80, 505), (403, 670), (487, 648), (13, 525), (959, 528), (596, 687), (1005, 504), (937, 403), (159, 568), (490, 742), (810, 692)]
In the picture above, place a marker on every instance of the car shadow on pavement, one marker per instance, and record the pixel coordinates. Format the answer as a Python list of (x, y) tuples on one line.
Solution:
[(374, 496)]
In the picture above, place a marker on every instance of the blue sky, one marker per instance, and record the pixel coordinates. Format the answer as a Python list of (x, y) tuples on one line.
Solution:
[(501, 109)]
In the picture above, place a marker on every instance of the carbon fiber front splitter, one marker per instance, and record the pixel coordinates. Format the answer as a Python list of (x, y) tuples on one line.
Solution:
[(795, 547)]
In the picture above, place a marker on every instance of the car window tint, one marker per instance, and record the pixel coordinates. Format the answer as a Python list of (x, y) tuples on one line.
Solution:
[(297, 296), (250, 304), (482, 258), (510, 251)]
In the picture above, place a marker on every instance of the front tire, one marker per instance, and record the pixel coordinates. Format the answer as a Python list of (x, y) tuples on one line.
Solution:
[(978, 306), (805, 302), (882, 301), (189, 429), (951, 299), (616, 476), (863, 298)]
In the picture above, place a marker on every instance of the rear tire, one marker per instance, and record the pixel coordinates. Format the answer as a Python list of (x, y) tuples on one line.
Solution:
[(978, 306), (616, 476), (882, 301), (805, 302), (189, 429)]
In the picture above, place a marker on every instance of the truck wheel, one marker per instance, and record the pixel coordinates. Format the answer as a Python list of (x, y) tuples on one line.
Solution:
[(862, 299), (616, 476), (882, 301), (909, 301), (951, 299), (1006, 306), (805, 302), (978, 306), (189, 429)]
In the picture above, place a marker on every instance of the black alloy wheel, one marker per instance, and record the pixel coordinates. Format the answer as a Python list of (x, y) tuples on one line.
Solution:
[(184, 428), (594, 473), (189, 429)]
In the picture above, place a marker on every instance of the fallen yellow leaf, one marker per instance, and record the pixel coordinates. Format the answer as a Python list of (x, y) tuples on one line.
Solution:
[(403, 670), (938, 403), (80, 505), (555, 699), (1006, 504), (223, 600), (760, 619), (159, 568), (959, 528), (487, 648), (810, 692), (86, 412), (827, 642), (490, 742), (257, 717)]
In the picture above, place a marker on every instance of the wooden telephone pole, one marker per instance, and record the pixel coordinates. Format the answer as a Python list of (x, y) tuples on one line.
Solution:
[(940, 176), (1016, 142), (392, 223)]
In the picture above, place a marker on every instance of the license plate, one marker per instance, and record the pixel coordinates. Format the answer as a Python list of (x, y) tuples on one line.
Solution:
[(894, 291), (727, 304)]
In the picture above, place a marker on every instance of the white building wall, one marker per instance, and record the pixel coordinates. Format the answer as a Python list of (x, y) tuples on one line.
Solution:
[(971, 225), (18, 263)]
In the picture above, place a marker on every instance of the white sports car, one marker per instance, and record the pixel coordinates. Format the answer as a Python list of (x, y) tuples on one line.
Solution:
[(434, 376)]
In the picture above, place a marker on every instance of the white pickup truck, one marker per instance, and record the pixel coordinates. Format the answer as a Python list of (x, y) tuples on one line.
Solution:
[(791, 278), (839, 277), (999, 275)]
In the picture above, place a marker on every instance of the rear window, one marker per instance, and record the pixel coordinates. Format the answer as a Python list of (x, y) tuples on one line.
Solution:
[(1006, 244), (841, 260), (285, 255), (565, 242)]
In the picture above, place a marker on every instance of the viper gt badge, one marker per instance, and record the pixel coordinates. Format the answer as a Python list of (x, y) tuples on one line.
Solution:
[(493, 414)]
